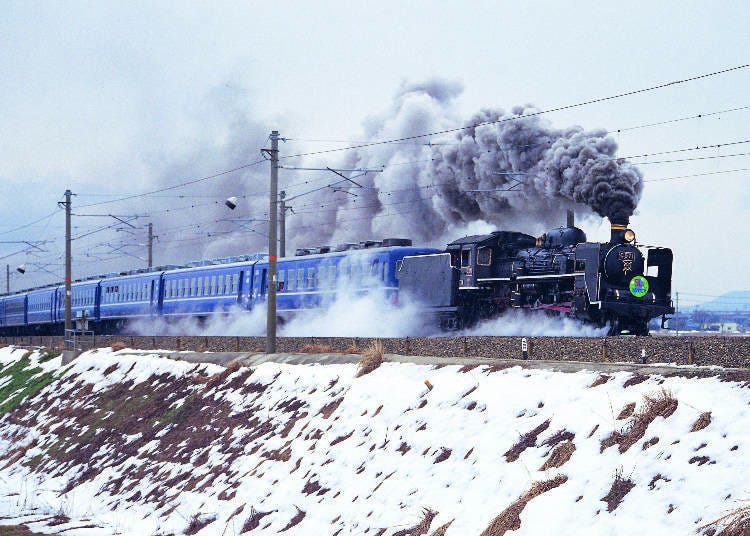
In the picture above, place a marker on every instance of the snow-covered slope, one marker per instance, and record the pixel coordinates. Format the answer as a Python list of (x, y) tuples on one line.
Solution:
[(123, 444)]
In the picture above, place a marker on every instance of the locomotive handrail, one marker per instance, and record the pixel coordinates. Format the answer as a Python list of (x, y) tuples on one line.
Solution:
[(544, 276)]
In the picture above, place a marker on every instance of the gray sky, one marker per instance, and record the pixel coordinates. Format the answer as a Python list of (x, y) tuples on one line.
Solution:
[(118, 98)]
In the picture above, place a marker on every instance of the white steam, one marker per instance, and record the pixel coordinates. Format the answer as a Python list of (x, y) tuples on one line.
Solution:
[(535, 324)]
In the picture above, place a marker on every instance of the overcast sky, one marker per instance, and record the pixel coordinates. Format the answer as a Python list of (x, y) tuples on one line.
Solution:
[(117, 98)]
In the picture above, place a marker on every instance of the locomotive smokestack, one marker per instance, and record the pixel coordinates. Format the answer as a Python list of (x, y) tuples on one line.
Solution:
[(618, 227), (571, 219)]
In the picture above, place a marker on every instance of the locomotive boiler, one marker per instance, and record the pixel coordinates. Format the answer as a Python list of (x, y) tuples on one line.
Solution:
[(619, 283)]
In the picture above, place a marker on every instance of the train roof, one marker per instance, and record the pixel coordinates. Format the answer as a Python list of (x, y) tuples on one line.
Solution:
[(496, 236), (359, 252)]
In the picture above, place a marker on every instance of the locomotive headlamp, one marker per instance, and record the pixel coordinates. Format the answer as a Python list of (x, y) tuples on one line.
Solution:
[(629, 235)]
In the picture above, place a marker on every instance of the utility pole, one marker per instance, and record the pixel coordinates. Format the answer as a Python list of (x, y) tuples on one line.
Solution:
[(150, 244), (7, 278), (68, 276), (272, 245), (282, 224)]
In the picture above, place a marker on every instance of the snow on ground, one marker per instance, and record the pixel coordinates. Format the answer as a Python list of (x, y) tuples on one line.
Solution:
[(140, 445)]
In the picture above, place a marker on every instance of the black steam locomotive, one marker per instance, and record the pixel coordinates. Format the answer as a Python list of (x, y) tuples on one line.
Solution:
[(559, 272)]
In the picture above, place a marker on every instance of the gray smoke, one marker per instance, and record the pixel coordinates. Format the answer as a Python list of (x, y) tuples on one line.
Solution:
[(531, 173), (528, 173), (221, 135)]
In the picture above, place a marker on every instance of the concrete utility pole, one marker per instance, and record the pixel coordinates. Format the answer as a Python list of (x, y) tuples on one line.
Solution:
[(282, 224), (150, 244), (68, 276), (272, 246)]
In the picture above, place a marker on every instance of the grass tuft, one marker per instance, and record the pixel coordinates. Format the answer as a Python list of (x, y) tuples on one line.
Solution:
[(620, 487), (703, 421), (627, 411), (527, 440), (118, 345), (734, 523), (442, 529), (372, 358), (198, 522), (662, 404), (560, 455), (421, 528), (510, 518)]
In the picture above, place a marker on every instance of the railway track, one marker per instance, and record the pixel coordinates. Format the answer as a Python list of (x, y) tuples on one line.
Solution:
[(730, 352)]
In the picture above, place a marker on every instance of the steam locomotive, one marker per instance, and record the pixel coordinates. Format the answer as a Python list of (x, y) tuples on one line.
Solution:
[(608, 284)]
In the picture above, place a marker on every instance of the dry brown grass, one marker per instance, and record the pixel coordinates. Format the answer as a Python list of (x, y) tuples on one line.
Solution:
[(560, 455), (662, 404), (442, 529), (421, 528), (316, 349), (527, 440), (118, 345), (734, 523), (372, 358), (601, 379), (703, 421), (510, 518), (620, 487), (627, 411)]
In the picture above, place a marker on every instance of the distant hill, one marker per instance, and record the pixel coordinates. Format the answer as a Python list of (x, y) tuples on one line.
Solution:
[(736, 300)]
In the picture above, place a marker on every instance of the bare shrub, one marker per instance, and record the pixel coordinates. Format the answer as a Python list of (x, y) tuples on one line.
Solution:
[(560, 455), (703, 421), (661, 405), (620, 488), (316, 349), (372, 358), (118, 345), (509, 519), (734, 523)]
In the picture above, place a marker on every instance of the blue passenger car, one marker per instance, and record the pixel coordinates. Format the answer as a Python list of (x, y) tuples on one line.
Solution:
[(310, 281), (84, 300), (15, 310), (203, 290), (41, 305), (131, 296)]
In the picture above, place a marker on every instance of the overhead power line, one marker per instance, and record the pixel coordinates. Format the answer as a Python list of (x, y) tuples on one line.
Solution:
[(515, 118), (174, 187)]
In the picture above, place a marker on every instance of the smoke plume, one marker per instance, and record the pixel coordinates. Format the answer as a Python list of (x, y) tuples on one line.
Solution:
[(508, 170)]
